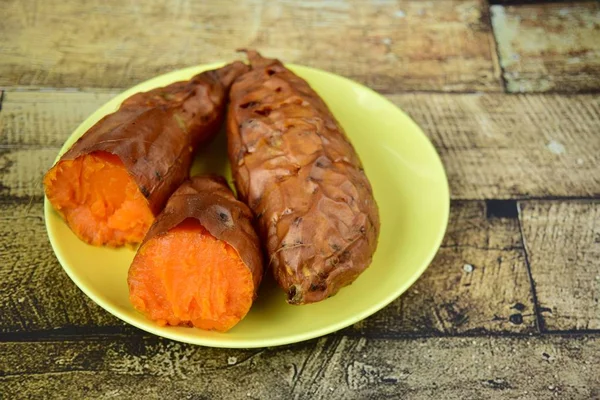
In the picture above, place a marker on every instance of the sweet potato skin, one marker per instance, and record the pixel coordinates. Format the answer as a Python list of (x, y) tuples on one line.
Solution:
[(294, 166), (209, 200), (155, 133)]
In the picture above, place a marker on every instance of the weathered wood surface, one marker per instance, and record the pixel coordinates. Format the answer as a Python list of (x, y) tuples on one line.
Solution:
[(492, 145), (328, 368), (36, 295), (563, 245), (390, 46), (44, 119), (516, 262), (498, 146), (549, 47), (460, 291), (33, 127)]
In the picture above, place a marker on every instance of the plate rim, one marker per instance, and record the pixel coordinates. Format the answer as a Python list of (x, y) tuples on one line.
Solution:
[(152, 328)]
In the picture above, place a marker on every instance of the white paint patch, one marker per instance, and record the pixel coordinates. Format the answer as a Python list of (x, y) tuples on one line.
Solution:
[(506, 31), (231, 360), (555, 147), (361, 344), (360, 375), (399, 14)]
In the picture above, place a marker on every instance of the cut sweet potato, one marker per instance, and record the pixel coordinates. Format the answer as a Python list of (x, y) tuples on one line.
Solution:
[(200, 263), (99, 200), (119, 174)]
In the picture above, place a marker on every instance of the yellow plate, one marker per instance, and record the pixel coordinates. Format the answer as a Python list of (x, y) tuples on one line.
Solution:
[(410, 187)]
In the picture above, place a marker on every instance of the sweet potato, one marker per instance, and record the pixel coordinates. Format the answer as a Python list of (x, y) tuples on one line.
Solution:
[(200, 263), (119, 174), (294, 166)]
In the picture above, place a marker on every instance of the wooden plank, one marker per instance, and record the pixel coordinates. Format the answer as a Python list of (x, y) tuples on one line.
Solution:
[(45, 119), (563, 245), (33, 126), (477, 283), (446, 300), (21, 171), (492, 145), (390, 46), (329, 368), (549, 47), (35, 293), (498, 146)]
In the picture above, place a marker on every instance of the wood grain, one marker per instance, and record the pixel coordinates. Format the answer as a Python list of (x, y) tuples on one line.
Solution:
[(563, 245), (328, 368), (492, 145), (33, 127), (390, 46), (35, 293), (45, 119), (498, 146), (21, 171), (549, 47), (460, 291)]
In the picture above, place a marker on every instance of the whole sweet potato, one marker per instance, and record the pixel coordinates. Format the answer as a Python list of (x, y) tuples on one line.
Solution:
[(200, 263), (295, 168), (120, 173)]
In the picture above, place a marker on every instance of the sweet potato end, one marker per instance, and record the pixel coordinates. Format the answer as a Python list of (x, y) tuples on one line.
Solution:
[(188, 277), (99, 200)]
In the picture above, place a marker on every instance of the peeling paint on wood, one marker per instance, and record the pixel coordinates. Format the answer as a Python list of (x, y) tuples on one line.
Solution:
[(549, 47), (35, 293), (497, 149), (452, 299), (327, 368), (502, 147), (390, 45), (492, 145)]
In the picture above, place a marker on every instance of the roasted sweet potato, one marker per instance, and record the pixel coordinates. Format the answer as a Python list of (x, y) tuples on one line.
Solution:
[(294, 166), (200, 263), (119, 174)]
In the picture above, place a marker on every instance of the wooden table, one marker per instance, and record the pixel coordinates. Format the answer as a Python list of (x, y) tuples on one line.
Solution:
[(508, 94)]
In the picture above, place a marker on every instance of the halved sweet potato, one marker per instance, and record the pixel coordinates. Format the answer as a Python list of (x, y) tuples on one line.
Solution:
[(119, 174), (200, 263)]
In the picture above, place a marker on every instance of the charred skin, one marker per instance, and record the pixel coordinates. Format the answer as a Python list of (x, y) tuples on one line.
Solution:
[(294, 166), (155, 133)]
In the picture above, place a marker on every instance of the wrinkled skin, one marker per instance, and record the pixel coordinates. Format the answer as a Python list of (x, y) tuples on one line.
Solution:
[(209, 200), (156, 133), (295, 168)]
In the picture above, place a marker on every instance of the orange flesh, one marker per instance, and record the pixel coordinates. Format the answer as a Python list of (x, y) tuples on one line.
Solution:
[(99, 200), (188, 277)]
